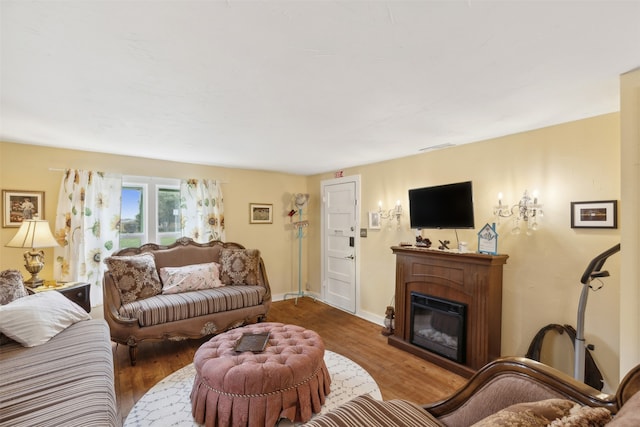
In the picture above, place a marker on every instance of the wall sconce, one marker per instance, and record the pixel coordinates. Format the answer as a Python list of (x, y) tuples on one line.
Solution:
[(396, 212), (527, 210)]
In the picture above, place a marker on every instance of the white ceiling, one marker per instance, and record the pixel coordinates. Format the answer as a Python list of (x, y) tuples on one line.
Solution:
[(304, 86)]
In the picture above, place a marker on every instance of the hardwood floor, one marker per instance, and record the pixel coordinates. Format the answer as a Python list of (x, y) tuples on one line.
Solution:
[(398, 374)]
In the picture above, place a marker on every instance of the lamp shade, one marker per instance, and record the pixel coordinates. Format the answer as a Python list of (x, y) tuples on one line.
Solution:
[(33, 233)]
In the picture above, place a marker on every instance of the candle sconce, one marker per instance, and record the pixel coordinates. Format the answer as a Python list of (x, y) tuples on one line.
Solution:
[(395, 212), (527, 210)]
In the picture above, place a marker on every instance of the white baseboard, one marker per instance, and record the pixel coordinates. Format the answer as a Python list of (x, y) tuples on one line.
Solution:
[(368, 316)]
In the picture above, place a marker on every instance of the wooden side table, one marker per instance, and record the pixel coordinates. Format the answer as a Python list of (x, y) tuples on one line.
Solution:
[(78, 292)]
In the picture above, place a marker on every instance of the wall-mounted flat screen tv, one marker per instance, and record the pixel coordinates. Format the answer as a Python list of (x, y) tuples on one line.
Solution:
[(442, 206)]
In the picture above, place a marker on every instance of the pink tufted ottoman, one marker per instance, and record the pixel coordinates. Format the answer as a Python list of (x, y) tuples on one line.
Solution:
[(287, 380)]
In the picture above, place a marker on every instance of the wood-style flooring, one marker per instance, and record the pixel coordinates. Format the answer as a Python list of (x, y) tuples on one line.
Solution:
[(398, 373)]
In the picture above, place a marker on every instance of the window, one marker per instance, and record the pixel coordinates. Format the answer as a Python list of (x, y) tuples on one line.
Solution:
[(150, 211)]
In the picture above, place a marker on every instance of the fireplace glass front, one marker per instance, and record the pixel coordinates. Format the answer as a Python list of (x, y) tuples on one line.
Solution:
[(438, 325)]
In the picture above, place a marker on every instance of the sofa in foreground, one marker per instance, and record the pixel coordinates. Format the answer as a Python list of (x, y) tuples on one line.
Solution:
[(56, 363), (511, 391), (185, 290)]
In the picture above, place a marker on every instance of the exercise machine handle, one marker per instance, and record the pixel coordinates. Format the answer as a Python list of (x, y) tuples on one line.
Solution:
[(595, 266)]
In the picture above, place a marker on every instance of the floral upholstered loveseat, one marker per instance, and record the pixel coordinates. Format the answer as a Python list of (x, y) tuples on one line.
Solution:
[(185, 290)]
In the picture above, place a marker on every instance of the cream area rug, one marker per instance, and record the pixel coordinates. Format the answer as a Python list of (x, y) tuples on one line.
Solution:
[(168, 402)]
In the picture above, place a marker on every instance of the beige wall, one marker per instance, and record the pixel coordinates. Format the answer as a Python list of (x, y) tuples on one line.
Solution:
[(630, 178), (27, 167), (570, 162), (578, 161)]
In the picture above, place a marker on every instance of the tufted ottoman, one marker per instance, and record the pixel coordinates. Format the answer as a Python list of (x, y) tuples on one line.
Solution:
[(287, 380)]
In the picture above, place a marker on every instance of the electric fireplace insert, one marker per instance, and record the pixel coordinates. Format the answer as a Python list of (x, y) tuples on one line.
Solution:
[(439, 325)]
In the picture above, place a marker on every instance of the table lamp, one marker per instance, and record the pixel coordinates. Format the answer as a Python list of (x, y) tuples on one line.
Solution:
[(33, 234)]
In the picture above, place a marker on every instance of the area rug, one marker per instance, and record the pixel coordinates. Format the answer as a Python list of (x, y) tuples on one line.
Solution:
[(168, 402)]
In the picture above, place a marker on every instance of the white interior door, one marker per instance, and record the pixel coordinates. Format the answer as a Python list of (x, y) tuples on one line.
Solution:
[(340, 227)]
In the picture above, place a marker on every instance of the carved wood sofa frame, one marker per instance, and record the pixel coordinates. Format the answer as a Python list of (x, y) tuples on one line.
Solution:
[(183, 252)]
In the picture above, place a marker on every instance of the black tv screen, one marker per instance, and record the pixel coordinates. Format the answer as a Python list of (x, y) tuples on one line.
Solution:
[(442, 206)]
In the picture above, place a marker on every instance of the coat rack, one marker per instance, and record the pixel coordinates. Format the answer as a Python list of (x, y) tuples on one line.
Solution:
[(301, 201)]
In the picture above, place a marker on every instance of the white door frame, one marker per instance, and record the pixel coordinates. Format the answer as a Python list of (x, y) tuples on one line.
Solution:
[(356, 180)]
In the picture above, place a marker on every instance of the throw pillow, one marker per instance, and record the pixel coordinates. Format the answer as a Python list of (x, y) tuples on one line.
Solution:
[(190, 278), (35, 319), (239, 266), (136, 276), (530, 414), (583, 416), (11, 286)]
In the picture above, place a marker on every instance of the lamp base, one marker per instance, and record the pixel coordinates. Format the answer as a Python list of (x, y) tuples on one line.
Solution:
[(34, 282)]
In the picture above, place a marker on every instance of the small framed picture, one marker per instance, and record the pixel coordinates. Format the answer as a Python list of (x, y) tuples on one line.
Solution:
[(260, 213), (600, 214), (374, 220), (18, 205)]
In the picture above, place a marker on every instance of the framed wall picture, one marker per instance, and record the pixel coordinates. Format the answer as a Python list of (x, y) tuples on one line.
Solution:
[(260, 213), (18, 205), (599, 214), (374, 220)]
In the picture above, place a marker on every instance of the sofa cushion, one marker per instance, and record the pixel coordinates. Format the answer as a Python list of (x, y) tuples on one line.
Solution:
[(629, 414), (190, 278), (365, 411), (135, 276), (532, 414), (35, 319), (11, 286), (583, 416), (239, 266), (173, 307)]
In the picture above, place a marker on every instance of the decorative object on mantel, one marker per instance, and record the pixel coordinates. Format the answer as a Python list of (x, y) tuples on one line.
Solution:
[(527, 209), (444, 245), (33, 234), (600, 214), (488, 240), (396, 212), (423, 242)]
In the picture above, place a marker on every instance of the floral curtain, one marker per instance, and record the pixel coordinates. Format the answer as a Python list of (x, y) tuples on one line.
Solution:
[(201, 209), (87, 227)]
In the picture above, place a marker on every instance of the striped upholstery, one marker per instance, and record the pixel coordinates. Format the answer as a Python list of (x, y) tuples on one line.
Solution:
[(365, 411), (67, 381), (173, 307)]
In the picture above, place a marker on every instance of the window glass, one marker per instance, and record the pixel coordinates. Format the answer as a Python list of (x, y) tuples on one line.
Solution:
[(168, 215), (132, 216), (150, 211)]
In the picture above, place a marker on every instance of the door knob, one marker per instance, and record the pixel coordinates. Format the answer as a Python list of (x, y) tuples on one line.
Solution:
[(349, 257)]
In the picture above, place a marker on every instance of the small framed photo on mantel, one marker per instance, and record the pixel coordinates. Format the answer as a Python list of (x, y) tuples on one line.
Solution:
[(599, 214)]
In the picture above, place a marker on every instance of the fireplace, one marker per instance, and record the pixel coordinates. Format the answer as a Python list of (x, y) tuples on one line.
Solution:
[(438, 325)]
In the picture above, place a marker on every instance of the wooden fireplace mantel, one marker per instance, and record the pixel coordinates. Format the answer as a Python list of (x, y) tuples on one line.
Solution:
[(470, 278)]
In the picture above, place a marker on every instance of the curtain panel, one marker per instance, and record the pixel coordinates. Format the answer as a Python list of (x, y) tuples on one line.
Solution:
[(202, 210), (87, 227)]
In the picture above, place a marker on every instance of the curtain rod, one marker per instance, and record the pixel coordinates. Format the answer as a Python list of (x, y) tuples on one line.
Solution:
[(136, 176)]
